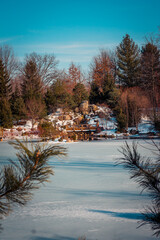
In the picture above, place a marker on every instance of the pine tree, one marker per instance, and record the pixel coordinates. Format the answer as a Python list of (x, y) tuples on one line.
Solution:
[(50, 101), (114, 98), (31, 84), (79, 93), (60, 96), (95, 94), (150, 73), (46, 65), (128, 62), (20, 178), (5, 88), (5, 114), (146, 172), (108, 87), (32, 92), (47, 130), (17, 105), (37, 74)]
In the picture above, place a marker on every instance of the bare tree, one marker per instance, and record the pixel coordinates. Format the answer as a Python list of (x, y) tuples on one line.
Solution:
[(10, 62), (133, 101), (102, 72), (102, 65), (46, 66), (73, 77), (35, 110)]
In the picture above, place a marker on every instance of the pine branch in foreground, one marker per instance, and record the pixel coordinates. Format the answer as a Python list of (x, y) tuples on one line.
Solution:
[(146, 172), (18, 179)]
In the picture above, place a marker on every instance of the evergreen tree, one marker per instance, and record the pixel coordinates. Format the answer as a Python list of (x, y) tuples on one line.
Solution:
[(95, 94), (102, 77), (17, 105), (79, 93), (114, 98), (60, 97), (108, 86), (50, 101), (31, 82), (32, 92), (46, 65), (47, 130), (150, 73), (5, 88), (128, 62), (5, 114), (20, 178), (121, 118), (146, 172)]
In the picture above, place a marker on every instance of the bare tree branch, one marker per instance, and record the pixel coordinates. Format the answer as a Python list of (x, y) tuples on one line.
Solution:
[(9, 60), (46, 66)]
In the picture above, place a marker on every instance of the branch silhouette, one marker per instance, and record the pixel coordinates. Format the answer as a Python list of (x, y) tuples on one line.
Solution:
[(20, 178), (146, 172)]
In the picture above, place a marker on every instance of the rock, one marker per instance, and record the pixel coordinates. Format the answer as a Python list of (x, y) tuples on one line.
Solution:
[(78, 119), (60, 118), (101, 114), (125, 134), (28, 124), (67, 117), (133, 132), (94, 107), (59, 111), (151, 133), (76, 109), (84, 107)]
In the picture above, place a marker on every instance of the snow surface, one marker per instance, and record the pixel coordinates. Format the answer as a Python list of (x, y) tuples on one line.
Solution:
[(88, 196), (103, 116)]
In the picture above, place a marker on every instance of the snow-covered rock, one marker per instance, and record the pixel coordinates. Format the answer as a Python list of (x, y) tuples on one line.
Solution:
[(28, 124)]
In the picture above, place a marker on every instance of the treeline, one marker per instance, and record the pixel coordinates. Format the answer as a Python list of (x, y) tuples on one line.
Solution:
[(127, 80)]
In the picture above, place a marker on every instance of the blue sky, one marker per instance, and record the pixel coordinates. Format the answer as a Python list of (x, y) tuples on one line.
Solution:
[(75, 30)]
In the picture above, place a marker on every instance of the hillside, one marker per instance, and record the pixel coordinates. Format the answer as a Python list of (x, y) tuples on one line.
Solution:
[(89, 122)]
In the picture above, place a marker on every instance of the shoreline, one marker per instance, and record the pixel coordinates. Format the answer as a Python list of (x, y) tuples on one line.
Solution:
[(36, 140)]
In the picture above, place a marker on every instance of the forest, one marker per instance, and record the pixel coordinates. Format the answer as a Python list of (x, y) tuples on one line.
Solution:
[(126, 79)]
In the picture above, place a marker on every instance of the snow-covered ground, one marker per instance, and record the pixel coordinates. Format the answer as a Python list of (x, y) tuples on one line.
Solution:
[(88, 196), (102, 117)]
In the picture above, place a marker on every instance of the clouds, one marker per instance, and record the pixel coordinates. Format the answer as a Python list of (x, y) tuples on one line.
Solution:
[(77, 52), (74, 30), (5, 40)]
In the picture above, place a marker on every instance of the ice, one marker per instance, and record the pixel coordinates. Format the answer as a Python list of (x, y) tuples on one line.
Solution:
[(87, 196)]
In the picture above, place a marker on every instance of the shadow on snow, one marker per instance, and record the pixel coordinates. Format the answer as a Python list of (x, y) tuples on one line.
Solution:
[(133, 216)]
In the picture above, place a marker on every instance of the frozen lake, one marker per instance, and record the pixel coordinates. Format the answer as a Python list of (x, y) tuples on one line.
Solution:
[(88, 196)]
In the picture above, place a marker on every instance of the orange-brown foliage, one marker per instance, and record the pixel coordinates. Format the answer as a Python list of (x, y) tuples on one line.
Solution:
[(101, 66), (73, 77)]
